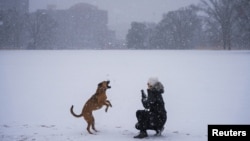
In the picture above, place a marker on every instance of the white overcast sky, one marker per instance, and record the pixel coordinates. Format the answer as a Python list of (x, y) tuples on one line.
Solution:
[(122, 12)]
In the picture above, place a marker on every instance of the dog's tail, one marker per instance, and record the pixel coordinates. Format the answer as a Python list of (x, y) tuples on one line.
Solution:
[(72, 112)]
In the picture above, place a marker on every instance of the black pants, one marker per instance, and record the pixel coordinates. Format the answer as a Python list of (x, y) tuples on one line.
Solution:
[(150, 121)]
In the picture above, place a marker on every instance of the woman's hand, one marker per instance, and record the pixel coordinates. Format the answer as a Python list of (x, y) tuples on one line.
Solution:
[(143, 95)]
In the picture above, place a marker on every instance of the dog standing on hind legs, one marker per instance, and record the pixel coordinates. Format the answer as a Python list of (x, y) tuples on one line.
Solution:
[(95, 102)]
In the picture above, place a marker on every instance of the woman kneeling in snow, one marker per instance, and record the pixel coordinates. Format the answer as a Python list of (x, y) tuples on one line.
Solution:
[(154, 116)]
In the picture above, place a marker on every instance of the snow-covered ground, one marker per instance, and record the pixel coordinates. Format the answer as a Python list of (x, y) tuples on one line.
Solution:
[(37, 89)]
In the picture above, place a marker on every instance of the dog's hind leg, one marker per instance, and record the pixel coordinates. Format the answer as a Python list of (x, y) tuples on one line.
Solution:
[(88, 128), (93, 125), (89, 119), (91, 122)]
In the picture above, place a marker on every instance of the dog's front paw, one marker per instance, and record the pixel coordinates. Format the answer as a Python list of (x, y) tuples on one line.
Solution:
[(109, 103)]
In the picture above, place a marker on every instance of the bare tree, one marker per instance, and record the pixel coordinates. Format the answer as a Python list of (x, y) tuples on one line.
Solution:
[(242, 35), (177, 29), (136, 36), (223, 12)]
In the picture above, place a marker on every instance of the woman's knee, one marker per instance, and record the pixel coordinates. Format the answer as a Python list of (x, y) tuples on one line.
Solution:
[(140, 113)]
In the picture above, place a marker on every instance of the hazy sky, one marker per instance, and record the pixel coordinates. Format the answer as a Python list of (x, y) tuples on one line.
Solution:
[(122, 12)]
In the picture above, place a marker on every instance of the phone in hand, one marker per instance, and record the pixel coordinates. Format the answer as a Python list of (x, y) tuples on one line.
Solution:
[(143, 95)]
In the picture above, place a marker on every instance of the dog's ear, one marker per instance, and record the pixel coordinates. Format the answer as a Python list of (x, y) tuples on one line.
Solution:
[(99, 85)]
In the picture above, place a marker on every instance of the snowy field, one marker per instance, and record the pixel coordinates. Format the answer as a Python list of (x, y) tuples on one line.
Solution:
[(37, 89)]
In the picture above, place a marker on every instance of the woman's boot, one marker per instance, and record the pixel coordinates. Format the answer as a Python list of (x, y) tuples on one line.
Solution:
[(141, 135)]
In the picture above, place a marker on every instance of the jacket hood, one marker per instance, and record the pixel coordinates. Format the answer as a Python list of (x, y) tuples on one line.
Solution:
[(152, 81), (156, 84)]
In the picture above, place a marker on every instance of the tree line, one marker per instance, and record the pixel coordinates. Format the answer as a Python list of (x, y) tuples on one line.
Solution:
[(212, 24)]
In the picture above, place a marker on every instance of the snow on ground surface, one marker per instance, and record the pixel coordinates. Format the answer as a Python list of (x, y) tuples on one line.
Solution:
[(37, 89)]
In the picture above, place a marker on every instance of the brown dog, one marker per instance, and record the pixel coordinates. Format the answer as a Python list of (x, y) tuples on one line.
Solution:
[(94, 103)]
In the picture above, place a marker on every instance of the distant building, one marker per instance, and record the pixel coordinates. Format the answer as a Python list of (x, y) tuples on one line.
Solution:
[(21, 6), (13, 15), (83, 26)]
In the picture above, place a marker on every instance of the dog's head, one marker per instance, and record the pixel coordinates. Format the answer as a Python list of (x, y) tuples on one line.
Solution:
[(104, 85)]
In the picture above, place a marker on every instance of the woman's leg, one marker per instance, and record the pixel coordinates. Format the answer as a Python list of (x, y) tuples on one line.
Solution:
[(142, 117)]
